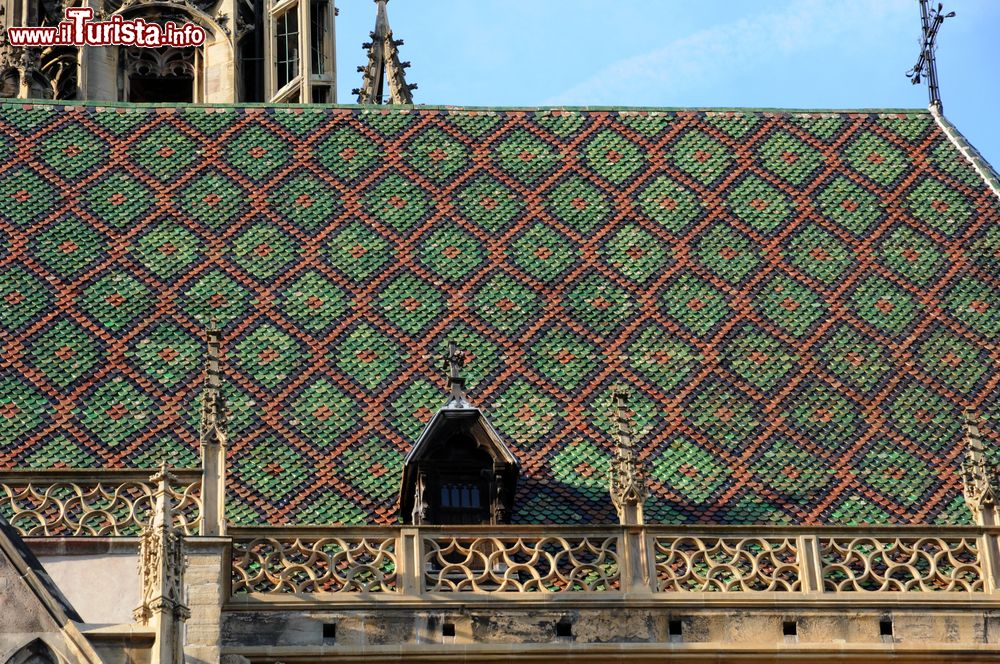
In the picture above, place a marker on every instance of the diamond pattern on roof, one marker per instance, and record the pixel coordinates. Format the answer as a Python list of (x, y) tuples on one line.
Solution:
[(801, 303)]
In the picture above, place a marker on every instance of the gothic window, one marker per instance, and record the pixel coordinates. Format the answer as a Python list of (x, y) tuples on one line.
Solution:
[(321, 61), (36, 652), (319, 11), (165, 75), (286, 48), (458, 474), (251, 50), (299, 51)]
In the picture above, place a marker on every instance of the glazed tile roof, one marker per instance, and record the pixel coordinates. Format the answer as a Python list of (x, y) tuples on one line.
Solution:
[(802, 303)]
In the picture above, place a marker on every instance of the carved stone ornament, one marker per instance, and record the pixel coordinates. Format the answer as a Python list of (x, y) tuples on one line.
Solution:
[(626, 478), (160, 62), (203, 6), (980, 477), (420, 505), (59, 65), (161, 559)]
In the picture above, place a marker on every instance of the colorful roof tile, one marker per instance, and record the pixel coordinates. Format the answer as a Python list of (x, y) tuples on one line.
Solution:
[(801, 303)]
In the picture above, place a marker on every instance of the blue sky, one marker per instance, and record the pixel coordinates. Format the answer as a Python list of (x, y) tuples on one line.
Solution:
[(679, 53)]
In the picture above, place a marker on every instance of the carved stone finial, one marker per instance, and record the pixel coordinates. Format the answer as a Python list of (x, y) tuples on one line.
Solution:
[(213, 405), (384, 68), (161, 560), (420, 505), (213, 441), (980, 477), (454, 361), (500, 509), (627, 481)]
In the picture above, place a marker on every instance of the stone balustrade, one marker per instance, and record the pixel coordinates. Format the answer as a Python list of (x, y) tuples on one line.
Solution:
[(61, 503), (601, 563)]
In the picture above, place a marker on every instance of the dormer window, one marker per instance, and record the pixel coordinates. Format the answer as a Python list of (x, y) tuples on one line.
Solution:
[(459, 471)]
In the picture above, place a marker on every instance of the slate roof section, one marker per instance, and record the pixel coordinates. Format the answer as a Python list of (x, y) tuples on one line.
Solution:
[(802, 303)]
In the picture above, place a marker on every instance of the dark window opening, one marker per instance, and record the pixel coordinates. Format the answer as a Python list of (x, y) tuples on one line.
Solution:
[(10, 83), (159, 75), (329, 631), (885, 627), (161, 89), (252, 54), (675, 627), (36, 652), (286, 48), (460, 496), (790, 628), (321, 94), (459, 475), (318, 11), (564, 628), (448, 629)]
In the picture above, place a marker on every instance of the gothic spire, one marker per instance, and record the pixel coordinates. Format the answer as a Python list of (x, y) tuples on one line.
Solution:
[(973, 440), (627, 480), (384, 67)]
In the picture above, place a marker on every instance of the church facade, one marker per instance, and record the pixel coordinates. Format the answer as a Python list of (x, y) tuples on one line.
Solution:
[(320, 383)]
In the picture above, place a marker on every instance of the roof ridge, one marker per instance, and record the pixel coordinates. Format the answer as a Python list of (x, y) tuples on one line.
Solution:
[(406, 108), (967, 150)]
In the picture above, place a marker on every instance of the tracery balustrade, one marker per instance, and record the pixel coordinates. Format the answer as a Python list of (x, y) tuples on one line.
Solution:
[(726, 564), (516, 563), (109, 503), (315, 564), (466, 562), (901, 564)]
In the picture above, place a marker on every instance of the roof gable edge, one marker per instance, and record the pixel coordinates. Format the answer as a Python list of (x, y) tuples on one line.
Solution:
[(33, 573), (967, 150)]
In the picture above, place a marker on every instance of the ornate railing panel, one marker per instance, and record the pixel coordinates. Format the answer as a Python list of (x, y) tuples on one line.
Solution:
[(901, 564), (521, 563), (717, 564), (315, 564), (105, 504)]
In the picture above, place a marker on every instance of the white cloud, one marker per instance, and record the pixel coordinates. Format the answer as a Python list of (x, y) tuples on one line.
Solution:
[(720, 52)]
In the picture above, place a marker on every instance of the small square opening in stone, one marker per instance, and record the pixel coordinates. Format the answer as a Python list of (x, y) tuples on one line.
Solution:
[(564, 628), (790, 628), (448, 629), (329, 631), (885, 627), (675, 627)]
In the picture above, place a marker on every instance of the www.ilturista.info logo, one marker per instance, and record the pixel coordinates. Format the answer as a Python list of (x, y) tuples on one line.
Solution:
[(78, 29)]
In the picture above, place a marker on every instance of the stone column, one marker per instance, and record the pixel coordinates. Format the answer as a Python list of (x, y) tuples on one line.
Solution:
[(208, 587)]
